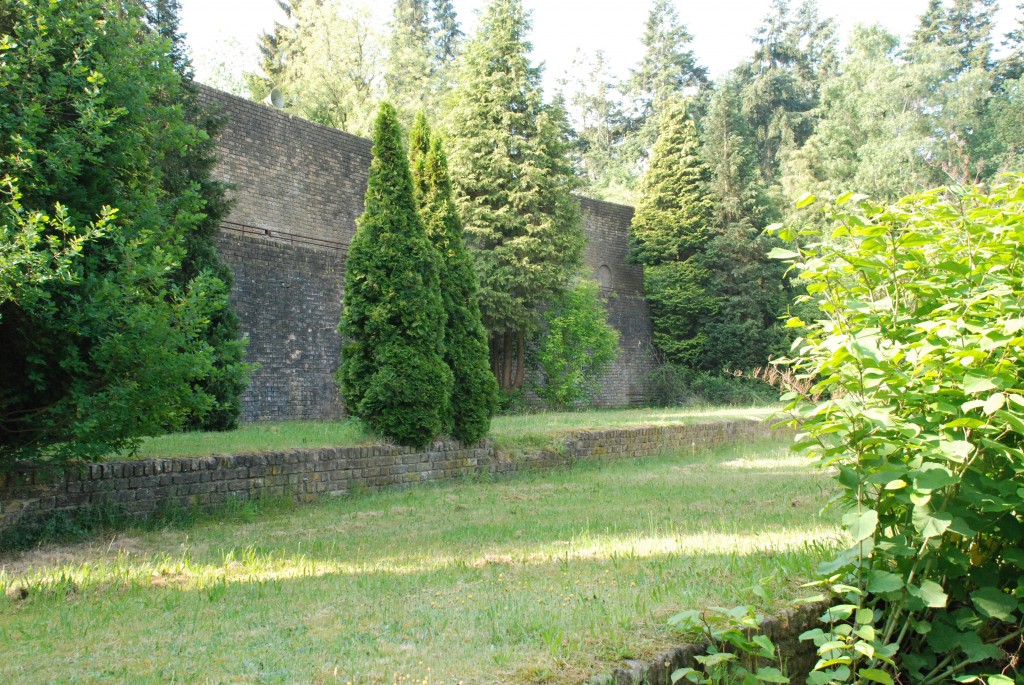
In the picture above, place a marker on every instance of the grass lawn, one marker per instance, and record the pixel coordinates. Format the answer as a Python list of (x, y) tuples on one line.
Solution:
[(509, 432), (539, 578)]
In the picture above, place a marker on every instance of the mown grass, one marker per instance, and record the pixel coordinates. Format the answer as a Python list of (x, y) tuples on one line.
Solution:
[(540, 578), (509, 432)]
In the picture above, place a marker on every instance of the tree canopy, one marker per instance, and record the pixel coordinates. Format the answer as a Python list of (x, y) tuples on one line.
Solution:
[(113, 343)]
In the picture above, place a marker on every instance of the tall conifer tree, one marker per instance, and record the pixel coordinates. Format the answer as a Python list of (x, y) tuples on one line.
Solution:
[(392, 373), (475, 393), (409, 79), (513, 184), (670, 230)]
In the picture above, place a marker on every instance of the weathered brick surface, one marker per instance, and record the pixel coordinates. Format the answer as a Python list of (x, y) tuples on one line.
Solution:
[(144, 487), (303, 185), (288, 299)]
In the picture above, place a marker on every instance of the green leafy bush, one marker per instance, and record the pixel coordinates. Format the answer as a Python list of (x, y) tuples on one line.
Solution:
[(575, 347), (111, 345), (921, 354), (736, 653)]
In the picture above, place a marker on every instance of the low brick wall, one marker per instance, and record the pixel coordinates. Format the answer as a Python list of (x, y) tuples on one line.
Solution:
[(145, 487)]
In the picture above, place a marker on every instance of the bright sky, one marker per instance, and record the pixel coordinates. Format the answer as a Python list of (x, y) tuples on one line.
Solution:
[(225, 31)]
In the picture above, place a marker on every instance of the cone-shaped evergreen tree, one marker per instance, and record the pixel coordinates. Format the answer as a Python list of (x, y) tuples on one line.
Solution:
[(674, 211), (475, 393), (669, 233), (392, 373)]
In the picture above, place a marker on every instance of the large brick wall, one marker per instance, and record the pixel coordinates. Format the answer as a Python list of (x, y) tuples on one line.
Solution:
[(145, 487), (288, 299), (297, 189)]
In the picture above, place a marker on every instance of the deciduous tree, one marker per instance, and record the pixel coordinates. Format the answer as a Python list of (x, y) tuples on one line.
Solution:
[(114, 348), (327, 63), (186, 170)]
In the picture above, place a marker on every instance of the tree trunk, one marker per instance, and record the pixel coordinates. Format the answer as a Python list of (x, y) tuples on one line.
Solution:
[(495, 358), (520, 360), (507, 363)]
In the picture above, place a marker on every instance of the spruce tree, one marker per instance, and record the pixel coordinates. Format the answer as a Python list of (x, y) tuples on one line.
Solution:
[(513, 184), (793, 53), (670, 229), (475, 393), (667, 72), (392, 373), (673, 213), (669, 68), (447, 34), (750, 289)]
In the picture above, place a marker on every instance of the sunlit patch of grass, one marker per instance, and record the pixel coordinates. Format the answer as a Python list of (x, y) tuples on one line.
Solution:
[(541, 577), (537, 430)]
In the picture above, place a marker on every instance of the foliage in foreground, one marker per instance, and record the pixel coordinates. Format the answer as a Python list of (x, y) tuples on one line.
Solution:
[(920, 349), (112, 345), (392, 373), (474, 396)]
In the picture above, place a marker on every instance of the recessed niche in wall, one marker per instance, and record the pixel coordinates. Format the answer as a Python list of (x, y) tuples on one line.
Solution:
[(604, 277)]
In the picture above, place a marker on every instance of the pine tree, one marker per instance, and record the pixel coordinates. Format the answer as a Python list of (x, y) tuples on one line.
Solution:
[(669, 68), (793, 55), (273, 57), (750, 289), (192, 168), (392, 373), (1011, 66), (475, 392), (670, 229), (513, 184)]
